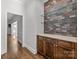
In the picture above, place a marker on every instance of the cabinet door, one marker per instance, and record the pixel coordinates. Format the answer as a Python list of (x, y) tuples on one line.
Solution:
[(70, 54), (73, 52), (41, 45), (59, 53), (65, 52), (50, 47)]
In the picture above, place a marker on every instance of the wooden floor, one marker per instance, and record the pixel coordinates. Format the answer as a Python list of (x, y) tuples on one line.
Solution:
[(24, 54), (21, 53)]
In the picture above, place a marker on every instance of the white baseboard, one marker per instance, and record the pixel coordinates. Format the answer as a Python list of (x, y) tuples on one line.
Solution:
[(20, 41), (31, 49), (3, 51)]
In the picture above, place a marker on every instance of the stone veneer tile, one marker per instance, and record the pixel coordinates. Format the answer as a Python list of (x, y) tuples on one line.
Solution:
[(61, 22)]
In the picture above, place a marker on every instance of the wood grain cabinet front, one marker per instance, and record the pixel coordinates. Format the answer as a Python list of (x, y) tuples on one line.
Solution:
[(59, 53), (50, 48), (41, 45), (56, 49)]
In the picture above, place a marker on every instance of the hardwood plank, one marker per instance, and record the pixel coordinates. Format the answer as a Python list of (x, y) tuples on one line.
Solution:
[(21, 53)]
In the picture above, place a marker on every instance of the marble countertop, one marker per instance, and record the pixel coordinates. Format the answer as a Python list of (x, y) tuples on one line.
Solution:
[(61, 37)]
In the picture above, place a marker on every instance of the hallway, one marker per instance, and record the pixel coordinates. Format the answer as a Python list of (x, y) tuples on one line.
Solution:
[(39, 29), (20, 53)]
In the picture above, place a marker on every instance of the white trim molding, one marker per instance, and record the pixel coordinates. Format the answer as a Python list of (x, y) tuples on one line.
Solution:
[(31, 49), (3, 51)]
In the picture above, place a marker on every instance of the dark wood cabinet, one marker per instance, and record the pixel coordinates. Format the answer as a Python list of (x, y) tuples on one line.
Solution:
[(59, 53), (55, 48), (69, 49), (49, 49), (41, 45)]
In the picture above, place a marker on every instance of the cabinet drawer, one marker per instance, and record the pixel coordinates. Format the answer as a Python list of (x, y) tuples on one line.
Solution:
[(52, 41), (64, 44)]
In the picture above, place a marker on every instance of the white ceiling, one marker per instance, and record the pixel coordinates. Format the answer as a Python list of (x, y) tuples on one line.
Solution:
[(45, 0), (21, 1)]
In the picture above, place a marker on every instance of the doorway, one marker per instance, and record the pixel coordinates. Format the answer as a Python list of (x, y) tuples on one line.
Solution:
[(14, 32)]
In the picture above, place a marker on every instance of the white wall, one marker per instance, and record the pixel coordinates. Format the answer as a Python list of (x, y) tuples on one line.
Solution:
[(20, 30), (7, 6), (3, 29), (40, 16), (31, 11), (29, 27)]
